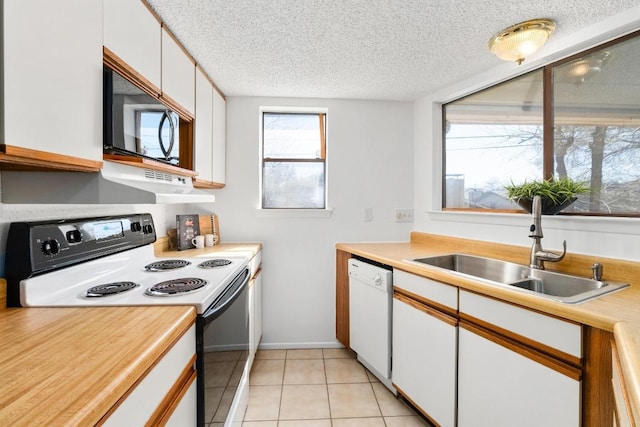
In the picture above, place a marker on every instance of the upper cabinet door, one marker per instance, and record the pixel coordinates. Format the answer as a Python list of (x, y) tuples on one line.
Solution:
[(134, 34), (203, 127), (178, 74), (52, 77), (219, 137)]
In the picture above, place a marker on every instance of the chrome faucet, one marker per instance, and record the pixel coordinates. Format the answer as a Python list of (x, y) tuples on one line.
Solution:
[(539, 255)]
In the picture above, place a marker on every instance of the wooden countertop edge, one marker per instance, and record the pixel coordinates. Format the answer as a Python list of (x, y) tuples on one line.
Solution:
[(603, 313), (249, 249), (96, 393)]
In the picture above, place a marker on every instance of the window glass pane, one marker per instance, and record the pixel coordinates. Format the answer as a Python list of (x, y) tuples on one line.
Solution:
[(293, 185), (596, 108), (291, 136), (492, 138)]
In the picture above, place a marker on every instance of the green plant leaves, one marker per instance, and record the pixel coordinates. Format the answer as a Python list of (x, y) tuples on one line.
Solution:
[(556, 190)]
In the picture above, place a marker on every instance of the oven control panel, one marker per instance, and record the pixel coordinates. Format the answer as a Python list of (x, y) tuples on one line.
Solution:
[(42, 246)]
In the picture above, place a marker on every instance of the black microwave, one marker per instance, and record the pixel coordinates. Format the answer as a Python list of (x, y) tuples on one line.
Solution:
[(136, 123)]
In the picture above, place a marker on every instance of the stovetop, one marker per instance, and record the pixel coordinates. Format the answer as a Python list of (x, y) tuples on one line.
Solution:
[(69, 286)]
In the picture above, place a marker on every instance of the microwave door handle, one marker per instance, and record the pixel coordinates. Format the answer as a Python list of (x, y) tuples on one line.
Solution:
[(165, 151), (229, 295)]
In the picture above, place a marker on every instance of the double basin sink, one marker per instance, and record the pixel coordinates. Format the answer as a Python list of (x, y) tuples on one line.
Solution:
[(546, 284)]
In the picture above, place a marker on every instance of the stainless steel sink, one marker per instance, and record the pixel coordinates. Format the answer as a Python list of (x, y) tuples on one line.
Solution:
[(546, 284)]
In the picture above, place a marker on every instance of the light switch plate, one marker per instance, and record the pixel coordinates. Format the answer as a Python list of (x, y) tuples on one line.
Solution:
[(404, 215), (367, 214)]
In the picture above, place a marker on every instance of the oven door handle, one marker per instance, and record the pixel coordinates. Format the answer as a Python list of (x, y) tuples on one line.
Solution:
[(227, 297)]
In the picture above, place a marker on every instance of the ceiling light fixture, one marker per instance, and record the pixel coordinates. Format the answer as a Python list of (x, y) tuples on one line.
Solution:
[(521, 40)]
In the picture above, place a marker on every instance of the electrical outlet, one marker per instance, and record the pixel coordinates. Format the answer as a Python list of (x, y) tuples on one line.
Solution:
[(367, 214), (404, 215)]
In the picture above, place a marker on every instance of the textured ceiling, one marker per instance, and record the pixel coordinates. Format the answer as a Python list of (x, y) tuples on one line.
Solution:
[(356, 49)]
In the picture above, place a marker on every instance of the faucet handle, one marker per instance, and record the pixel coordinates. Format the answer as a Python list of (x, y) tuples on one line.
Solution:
[(597, 271)]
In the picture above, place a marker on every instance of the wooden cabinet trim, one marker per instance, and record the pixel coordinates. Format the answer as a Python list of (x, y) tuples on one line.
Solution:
[(203, 183), (430, 303), (142, 162), (18, 158), (534, 345), (616, 365), (425, 309), (113, 61), (175, 39), (172, 399), (342, 297), (528, 352)]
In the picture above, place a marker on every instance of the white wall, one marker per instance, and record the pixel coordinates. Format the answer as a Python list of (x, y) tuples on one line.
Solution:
[(370, 164), (613, 238)]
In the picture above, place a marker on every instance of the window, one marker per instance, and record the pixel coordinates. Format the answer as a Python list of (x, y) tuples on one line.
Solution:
[(577, 118), (293, 160)]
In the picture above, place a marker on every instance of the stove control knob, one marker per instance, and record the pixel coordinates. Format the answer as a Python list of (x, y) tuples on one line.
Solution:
[(135, 227), (147, 229), (74, 236), (50, 247)]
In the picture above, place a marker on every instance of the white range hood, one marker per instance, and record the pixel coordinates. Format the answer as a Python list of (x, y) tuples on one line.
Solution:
[(116, 183)]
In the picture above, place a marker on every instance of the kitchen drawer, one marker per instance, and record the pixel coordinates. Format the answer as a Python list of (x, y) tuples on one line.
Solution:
[(550, 331), (429, 290)]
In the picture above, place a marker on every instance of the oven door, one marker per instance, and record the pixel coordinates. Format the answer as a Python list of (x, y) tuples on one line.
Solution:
[(223, 352)]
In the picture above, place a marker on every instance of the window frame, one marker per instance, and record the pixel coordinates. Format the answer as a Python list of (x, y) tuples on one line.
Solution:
[(548, 160), (296, 211)]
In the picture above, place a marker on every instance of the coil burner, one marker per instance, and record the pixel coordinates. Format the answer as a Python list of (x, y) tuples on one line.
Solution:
[(176, 287), (167, 264), (214, 263), (110, 289)]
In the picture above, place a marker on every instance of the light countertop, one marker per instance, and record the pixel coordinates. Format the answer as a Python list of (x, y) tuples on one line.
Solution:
[(70, 366)]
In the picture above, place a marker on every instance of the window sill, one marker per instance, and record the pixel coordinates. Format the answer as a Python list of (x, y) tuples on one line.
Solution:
[(294, 213)]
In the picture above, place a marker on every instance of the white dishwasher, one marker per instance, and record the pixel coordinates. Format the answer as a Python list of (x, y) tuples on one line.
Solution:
[(370, 302)]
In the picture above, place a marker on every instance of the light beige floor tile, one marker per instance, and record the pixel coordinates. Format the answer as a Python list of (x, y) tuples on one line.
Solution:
[(358, 422), (407, 421), (212, 398), (304, 402), (222, 356), (267, 372), (225, 404), (304, 371), (372, 377), (216, 425), (345, 371), (352, 400), (309, 353), (217, 374), (305, 423), (260, 424), (264, 403), (389, 404), (271, 354), (338, 353), (236, 376)]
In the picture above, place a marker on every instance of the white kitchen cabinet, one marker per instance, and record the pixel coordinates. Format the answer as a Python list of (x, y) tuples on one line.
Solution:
[(510, 372), (219, 138), (624, 414), (52, 77), (500, 387), (425, 336), (166, 392), (134, 34), (424, 358), (178, 73), (203, 141)]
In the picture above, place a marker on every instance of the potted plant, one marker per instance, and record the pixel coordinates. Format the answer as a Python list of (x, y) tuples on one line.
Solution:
[(555, 194)]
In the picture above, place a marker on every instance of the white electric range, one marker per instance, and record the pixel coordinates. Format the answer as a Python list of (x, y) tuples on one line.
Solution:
[(110, 261)]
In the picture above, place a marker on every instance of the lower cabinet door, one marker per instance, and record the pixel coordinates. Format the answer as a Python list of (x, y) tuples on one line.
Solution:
[(499, 386), (424, 359)]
